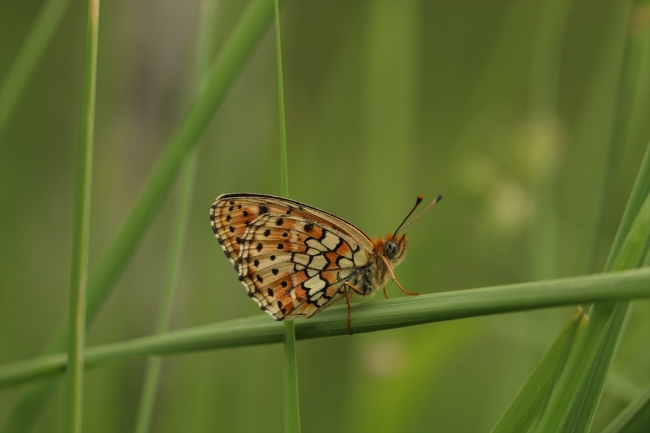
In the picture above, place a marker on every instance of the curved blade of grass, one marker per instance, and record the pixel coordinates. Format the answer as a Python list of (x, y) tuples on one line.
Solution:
[(631, 78), (624, 255), (12, 87), (584, 407), (291, 402), (368, 317), (529, 402), (79, 278), (214, 86), (638, 196), (634, 418)]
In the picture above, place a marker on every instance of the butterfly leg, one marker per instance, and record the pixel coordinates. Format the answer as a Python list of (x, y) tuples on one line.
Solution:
[(347, 299), (385, 294), (397, 282)]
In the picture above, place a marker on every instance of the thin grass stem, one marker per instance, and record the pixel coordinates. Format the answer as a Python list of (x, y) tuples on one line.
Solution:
[(291, 403), (368, 317), (79, 278)]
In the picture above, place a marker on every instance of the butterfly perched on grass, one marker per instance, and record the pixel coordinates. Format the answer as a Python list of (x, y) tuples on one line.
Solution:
[(296, 260)]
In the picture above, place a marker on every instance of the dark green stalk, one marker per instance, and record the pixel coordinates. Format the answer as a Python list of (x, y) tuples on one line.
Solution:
[(79, 278), (291, 403), (544, 147), (368, 317)]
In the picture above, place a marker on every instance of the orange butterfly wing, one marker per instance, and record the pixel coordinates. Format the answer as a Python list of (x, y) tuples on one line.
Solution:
[(293, 259)]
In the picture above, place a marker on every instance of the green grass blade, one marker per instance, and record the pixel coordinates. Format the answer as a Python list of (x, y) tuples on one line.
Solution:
[(284, 161), (636, 241), (632, 255), (369, 317), (79, 278), (624, 255), (529, 402), (214, 86), (639, 193), (634, 418), (12, 87), (630, 80), (291, 402)]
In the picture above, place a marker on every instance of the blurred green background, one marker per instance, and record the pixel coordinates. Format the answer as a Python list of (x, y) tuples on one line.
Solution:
[(505, 107)]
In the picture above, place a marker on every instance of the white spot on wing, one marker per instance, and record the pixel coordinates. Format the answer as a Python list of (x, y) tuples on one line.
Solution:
[(330, 240), (318, 262), (360, 258), (314, 285), (315, 244), (345, 263)]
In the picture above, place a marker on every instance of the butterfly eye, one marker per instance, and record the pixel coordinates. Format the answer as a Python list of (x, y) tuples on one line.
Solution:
[(390, 249)]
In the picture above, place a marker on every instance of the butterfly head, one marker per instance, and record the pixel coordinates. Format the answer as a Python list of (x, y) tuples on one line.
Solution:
[(393, 248)]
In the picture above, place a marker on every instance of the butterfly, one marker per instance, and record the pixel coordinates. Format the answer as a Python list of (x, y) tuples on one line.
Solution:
[(296, 260)]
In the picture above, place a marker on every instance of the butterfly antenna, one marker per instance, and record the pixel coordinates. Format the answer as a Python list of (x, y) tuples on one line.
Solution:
[(435, 200), (417, 202)]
